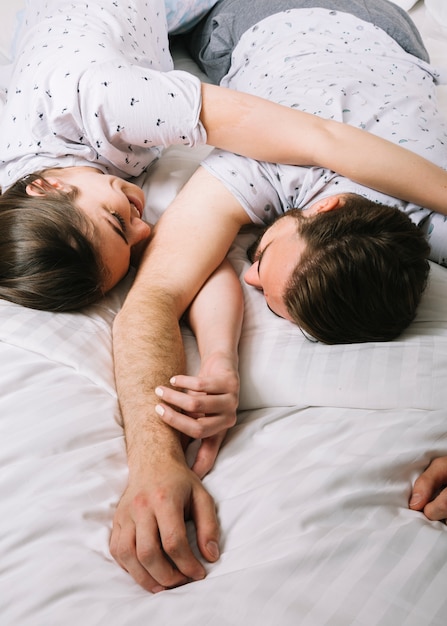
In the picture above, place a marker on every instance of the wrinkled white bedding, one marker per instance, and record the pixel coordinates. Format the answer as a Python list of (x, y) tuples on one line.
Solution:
[(311, 485)]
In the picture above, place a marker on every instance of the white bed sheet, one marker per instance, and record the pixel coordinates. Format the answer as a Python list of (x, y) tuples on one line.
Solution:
[(312, 484)]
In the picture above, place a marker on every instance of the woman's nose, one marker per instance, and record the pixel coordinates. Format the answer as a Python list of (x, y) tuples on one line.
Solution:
[(140, 231)]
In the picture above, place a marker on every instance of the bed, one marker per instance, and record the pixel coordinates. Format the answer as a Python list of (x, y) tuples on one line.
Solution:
[(311, 485)]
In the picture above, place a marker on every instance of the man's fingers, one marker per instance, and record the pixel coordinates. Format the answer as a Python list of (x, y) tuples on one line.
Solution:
[(207, 525), (153, 558), (176, 546), (437, 510), (422, 492), (123, 550), (430, 486)]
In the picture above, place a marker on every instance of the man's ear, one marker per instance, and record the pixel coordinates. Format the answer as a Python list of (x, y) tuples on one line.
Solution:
[(328, 204), (44, 186)]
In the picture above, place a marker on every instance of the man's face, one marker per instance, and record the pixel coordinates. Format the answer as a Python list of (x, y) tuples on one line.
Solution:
[(279, 250), (274, 257)]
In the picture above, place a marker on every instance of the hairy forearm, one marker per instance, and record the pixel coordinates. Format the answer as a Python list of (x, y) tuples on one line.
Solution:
[(144, 358)]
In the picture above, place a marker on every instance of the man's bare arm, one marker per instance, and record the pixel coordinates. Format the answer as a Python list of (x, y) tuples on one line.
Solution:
[(149, 535)]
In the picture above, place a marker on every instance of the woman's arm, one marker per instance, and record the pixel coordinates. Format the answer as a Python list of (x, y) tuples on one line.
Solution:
[(209, 400), (267, 131)]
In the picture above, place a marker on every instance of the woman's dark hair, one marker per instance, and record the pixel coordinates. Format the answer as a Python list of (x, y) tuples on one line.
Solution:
[(47, 260), (362, 274)]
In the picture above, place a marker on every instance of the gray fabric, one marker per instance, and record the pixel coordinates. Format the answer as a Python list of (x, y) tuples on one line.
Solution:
[(212, 41)]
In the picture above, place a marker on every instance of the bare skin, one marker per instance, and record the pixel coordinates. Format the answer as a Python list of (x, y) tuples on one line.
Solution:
[(430, 491)]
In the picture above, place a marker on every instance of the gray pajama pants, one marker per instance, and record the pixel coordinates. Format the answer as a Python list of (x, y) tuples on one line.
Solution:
[(212, 41)]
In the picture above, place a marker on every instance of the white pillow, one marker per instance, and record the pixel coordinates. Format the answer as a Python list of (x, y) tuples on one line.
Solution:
[(280, 367), (182, 15), (438, 10), (405, 4), (10, 14)]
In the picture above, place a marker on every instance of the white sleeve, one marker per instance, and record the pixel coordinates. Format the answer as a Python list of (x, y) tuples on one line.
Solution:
[(251, 182), (127, 109)]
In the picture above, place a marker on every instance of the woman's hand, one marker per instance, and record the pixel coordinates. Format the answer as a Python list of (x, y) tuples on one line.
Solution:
[(202, 407)]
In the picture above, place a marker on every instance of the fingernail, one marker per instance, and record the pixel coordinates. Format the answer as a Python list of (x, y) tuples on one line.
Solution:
[(172, 380), (415, 499), (213, 549), (159, 392), (157, 589), (159, 410)]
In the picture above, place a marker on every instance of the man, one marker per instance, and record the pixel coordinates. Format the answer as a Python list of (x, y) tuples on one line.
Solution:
[(324, 61)]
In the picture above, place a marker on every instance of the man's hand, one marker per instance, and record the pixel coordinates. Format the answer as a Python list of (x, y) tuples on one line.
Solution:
[(149, 532), (430, 491)]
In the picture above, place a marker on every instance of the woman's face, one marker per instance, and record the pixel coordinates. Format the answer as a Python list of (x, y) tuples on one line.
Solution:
[(115, 207)]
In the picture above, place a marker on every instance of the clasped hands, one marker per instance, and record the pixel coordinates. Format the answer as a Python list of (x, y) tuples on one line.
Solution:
[(149, 536)]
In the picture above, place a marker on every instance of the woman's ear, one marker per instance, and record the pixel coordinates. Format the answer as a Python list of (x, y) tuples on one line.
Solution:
[(44, 186)]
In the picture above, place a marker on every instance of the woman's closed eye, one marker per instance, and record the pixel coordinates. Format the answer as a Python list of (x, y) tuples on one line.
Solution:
[(118, 224), (119, 219)]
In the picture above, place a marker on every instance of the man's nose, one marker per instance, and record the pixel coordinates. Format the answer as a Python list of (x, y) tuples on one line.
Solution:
[(251, 276)]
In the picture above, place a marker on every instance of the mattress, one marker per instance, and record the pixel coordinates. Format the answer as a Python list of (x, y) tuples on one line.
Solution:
[(311, 485)]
